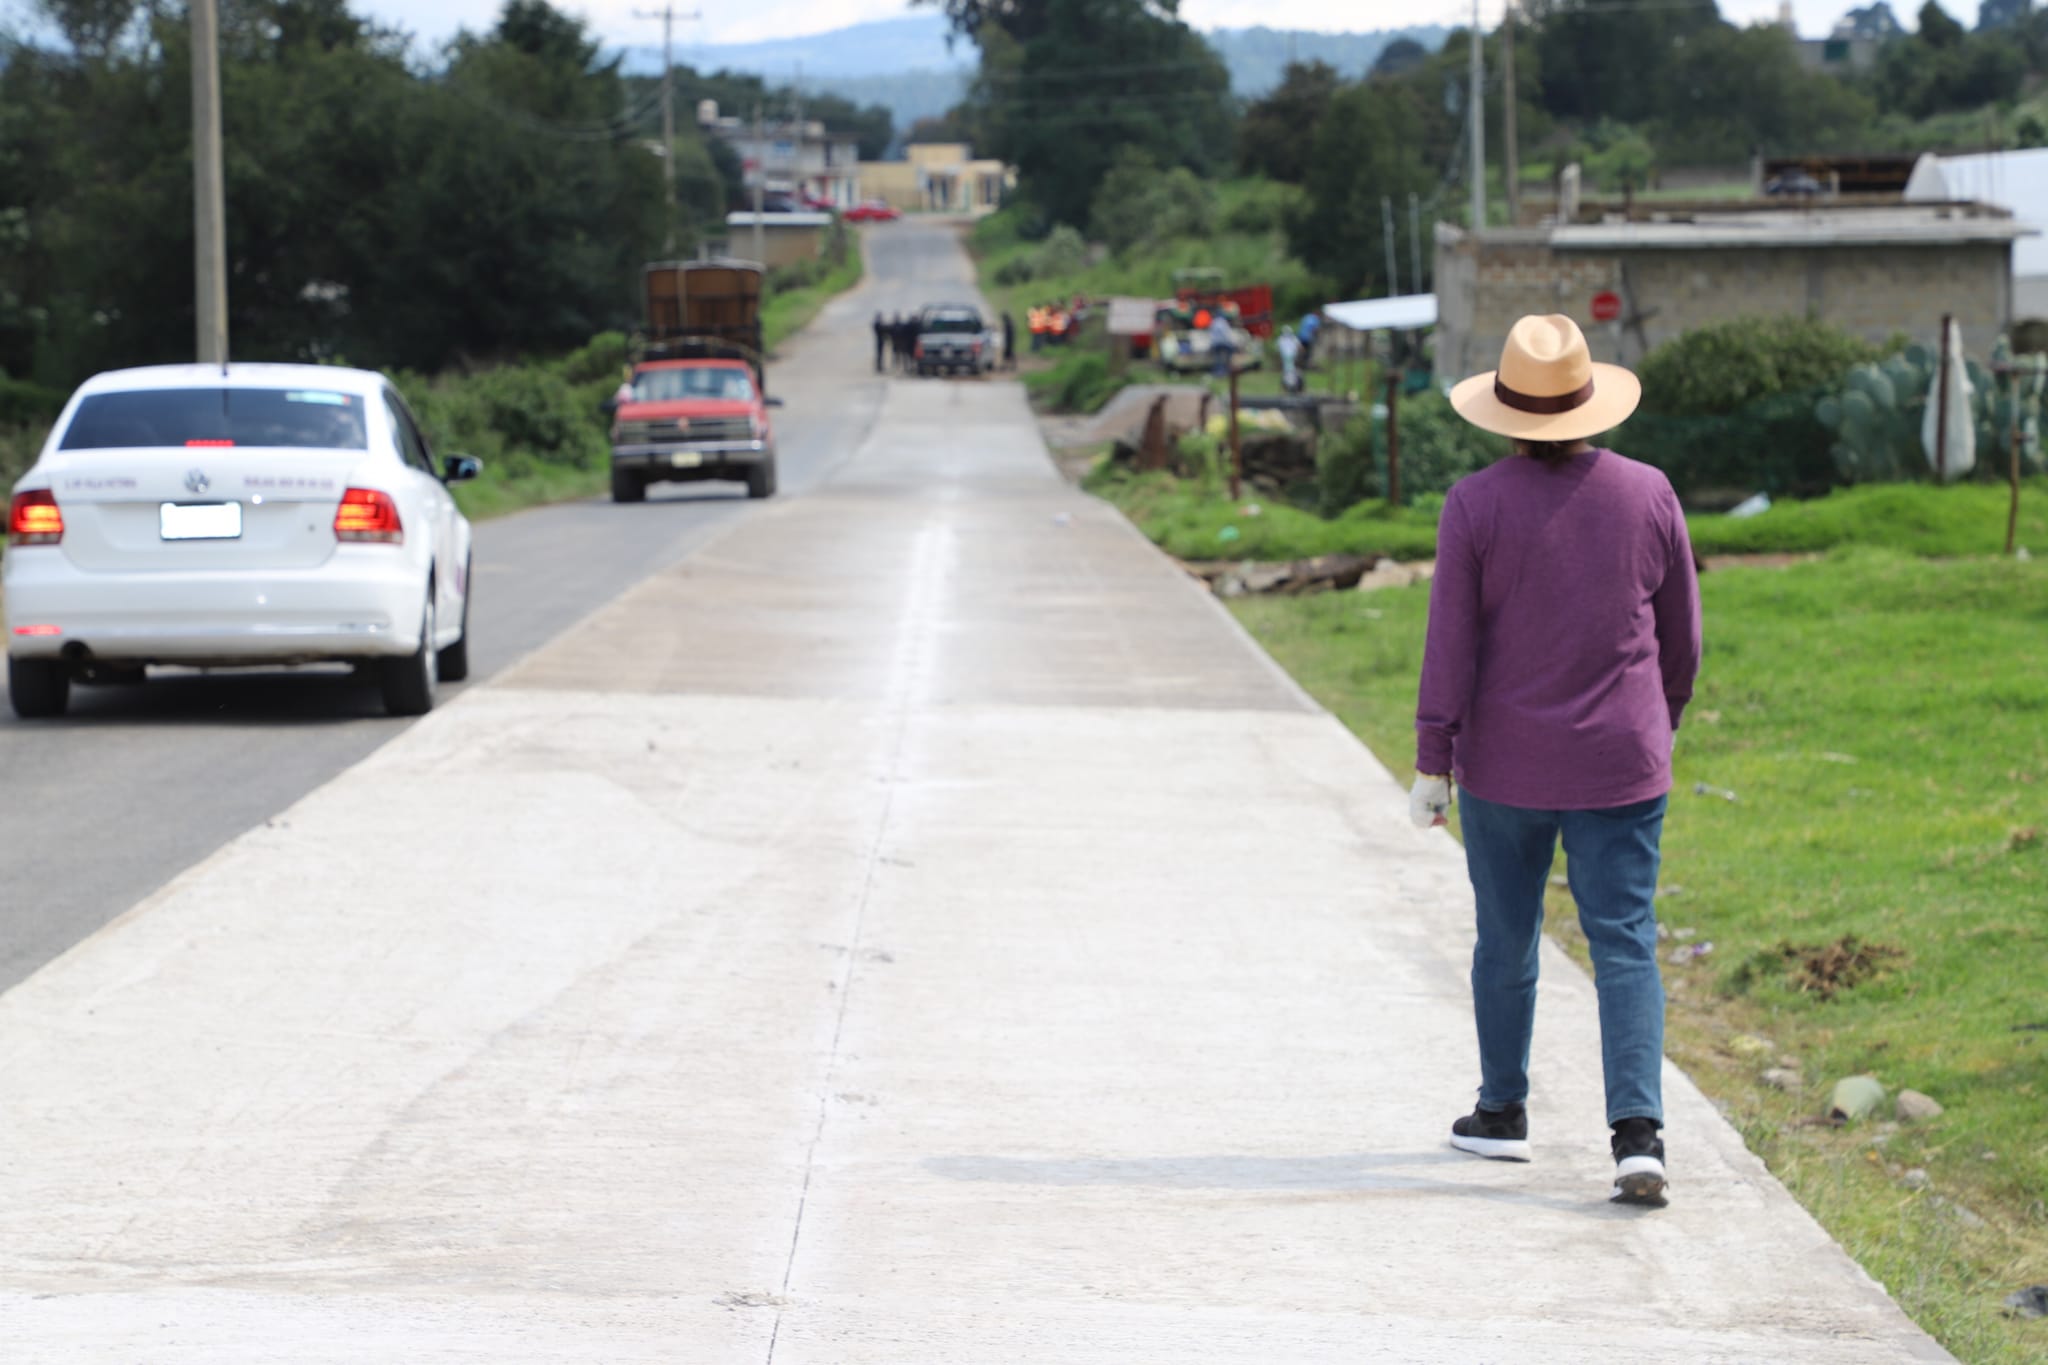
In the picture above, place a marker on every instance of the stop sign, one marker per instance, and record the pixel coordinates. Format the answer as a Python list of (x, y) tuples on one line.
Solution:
[(1606, 306)]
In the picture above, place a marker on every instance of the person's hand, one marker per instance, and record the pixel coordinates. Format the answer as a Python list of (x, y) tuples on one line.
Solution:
[(1429, 801)]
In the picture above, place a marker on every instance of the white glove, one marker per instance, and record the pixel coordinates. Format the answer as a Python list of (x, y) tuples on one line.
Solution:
[(1429, 801)]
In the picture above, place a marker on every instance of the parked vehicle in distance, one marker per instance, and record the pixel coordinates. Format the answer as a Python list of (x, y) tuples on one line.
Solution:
[(871, 211), (952, 339), (698, 403), (234, 515)]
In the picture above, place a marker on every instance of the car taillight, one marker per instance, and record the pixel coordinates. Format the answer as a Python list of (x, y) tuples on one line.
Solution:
[(34, 519), (918, 350), (368, 514)]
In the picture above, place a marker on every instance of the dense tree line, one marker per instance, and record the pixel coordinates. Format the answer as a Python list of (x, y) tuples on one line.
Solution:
[(1621, 89), (497, 205)]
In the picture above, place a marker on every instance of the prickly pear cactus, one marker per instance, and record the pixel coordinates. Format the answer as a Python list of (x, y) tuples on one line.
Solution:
[(1876, 417)]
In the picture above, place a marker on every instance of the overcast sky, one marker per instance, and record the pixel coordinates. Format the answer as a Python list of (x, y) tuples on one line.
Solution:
[(434, 20)]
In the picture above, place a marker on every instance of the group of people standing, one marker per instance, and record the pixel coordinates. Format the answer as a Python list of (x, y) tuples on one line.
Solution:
[(896, 342)]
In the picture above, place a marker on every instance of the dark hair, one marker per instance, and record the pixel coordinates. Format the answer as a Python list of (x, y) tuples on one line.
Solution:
[(1549, 454)]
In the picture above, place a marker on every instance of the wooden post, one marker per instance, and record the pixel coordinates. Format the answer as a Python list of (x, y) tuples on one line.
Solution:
[(1941, 408), (2012, 516), (1511, 162), (1236, 449), (1393, 437)]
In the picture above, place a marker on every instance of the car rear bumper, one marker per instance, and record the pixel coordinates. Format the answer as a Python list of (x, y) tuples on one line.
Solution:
[(359, 605)]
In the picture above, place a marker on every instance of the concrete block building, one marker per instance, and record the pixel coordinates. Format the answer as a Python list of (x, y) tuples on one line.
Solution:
[(1874, 270)]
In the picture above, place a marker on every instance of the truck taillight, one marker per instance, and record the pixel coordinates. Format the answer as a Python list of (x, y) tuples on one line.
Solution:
[(368, 514), (34, 518), (918, 350)]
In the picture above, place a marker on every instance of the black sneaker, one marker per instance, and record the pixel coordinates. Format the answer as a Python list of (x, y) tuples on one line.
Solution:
[(1497, 1134), (1638, 1163)]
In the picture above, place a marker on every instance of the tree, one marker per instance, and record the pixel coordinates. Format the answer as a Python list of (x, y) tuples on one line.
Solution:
[(1602, 60), (1938, 29), (1274, 137), (1099, 76), (1366, 149), (1734, 91), (1401, 55)]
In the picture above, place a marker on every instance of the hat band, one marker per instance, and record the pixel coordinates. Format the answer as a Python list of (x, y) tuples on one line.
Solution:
[(1542, 405)]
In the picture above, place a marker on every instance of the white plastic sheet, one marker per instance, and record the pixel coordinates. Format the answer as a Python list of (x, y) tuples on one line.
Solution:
[(1961, 456)]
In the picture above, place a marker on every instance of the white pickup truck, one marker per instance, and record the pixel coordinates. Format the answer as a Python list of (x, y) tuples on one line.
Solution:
[(953, 339)]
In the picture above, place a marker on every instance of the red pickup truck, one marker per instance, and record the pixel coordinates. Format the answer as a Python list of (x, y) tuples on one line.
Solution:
[(692, 419)]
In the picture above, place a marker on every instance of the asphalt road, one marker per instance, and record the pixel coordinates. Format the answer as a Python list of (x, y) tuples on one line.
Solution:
[(136, 784)]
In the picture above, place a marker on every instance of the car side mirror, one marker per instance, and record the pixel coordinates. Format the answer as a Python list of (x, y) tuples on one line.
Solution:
[(460, 468), (773, 402)]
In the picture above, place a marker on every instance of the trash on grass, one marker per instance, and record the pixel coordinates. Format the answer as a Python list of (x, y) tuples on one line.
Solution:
[(1688, 952), (2031, 1302), (1708, 789), (1752, 505), (1855, 1097)]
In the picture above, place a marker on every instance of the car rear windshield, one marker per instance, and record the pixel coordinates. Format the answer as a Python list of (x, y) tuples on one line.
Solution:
[(317, 419), (695, 381), (953, 322)]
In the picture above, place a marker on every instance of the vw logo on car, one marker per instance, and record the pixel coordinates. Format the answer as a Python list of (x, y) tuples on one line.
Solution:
[(196, 481)]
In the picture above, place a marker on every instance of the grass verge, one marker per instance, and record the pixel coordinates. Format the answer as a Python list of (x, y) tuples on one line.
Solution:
[(788, 311), (1191, 519), (1880, 719)]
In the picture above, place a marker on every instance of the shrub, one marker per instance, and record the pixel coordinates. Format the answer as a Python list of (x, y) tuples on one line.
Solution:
[(1137, 203), (1732, 405), (1347, 465), (1263, 206), (1438, 447), (1080, 382), (1063, 252)]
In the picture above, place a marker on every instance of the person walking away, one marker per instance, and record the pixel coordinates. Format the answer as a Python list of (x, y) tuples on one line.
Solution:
[(1564, 637), (881, 340), (1289, 346), (1009, 341), (1222, 344), (1311, 328)]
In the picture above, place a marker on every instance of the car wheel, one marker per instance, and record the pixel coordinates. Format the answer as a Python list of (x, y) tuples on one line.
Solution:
[(453, 663), (761, 480), (628, 486), (408, 683), (38, 687)]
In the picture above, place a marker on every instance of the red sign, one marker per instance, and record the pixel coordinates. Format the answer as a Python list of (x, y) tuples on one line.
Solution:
[(1606, 306)]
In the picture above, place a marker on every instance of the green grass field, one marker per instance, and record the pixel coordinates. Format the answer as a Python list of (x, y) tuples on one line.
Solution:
[(1192, 519), (1883, 722)]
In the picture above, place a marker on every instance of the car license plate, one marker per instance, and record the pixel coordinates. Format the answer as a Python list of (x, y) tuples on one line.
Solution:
[(685, 459), (200, 520)]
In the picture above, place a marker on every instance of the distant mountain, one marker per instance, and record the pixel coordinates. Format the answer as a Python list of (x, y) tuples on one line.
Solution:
[(908, 65)]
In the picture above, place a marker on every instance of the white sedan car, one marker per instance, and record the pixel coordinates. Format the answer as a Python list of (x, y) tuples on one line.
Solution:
[(220, 516)]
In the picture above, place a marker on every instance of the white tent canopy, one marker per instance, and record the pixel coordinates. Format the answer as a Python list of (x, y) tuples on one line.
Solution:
[(1404, 313)]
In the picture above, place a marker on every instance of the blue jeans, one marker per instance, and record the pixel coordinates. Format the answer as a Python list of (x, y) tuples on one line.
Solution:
[(1612, 862)]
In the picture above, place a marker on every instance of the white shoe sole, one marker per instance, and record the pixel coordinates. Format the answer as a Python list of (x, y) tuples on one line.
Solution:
[(1639, 1180), (1493, 1149)]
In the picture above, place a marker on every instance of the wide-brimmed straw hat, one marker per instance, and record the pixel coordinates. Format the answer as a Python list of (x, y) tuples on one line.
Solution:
[(1548, 387)]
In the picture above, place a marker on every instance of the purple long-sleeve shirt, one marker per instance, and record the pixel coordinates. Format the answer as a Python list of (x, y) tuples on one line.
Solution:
[(1564, 634)]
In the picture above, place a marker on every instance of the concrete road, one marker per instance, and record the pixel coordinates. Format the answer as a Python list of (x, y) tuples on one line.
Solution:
[(916, 926), (137, 784)]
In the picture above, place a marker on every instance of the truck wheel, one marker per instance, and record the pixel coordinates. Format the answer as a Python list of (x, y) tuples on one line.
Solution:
[(38, 688), (761, 480), (628, 486)]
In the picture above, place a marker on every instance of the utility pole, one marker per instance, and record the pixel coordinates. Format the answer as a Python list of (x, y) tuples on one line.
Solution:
[(1509, 152), (760, 184), (1476, 116), (1415, 238), (667, 15), (209, 212), (1387, 221)]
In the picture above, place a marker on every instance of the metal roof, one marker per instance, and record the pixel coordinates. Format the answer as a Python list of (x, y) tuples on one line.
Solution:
[(1403, 313), (1908, 226), (2017, 181)]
